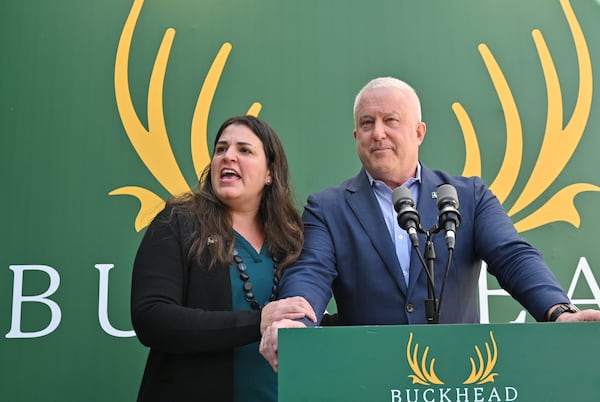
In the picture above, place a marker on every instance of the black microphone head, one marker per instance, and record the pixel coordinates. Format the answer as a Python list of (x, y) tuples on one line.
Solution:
[(446, 194), (401, 195), (449, 216), (408, 216)]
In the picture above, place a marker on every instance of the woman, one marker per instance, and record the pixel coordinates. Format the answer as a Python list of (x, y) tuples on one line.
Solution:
[(207, 265)]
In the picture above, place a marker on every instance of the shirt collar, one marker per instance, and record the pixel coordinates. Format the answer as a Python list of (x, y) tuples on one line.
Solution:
[(408, 183)]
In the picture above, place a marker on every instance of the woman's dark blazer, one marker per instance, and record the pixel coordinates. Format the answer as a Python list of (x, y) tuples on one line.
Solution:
[(184, 314)]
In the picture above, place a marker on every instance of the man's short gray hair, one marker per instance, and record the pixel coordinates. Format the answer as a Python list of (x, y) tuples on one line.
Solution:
[(388, 82)]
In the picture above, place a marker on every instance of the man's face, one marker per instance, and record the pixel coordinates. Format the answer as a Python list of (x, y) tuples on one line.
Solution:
[(388, 133)]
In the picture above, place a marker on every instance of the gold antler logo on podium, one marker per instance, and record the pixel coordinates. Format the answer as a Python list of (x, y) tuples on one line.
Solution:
[(482, 372), (424, 370), (422, 374)]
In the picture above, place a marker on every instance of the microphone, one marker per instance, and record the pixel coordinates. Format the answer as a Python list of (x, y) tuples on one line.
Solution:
[(449, 217), (408, 216)]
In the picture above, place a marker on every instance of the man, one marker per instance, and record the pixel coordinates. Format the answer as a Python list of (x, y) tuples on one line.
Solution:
[(355, 247)]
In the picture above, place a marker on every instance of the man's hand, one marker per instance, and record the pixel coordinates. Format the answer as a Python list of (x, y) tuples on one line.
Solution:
[(292, 308), (580, 316), (269, 342)]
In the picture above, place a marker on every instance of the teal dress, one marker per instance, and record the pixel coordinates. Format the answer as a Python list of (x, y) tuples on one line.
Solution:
[(254, 379)]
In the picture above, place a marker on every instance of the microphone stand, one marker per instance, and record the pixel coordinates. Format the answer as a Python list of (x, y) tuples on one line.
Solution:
[(408, 219), (432, 302)]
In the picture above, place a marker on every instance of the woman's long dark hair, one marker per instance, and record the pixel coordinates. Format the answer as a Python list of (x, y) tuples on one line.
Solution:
[(213, 235)]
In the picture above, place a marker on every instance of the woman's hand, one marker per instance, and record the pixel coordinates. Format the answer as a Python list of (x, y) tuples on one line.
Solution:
[(269, 343)]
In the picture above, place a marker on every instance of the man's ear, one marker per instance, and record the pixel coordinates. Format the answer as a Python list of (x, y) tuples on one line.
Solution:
[(421, 129)]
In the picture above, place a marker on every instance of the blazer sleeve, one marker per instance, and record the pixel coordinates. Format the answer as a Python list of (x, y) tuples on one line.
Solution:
[(519, 267), (312, 275), (161, 283)]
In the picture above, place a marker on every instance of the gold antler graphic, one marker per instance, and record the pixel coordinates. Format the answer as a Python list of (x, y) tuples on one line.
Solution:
[(152, 145), (484, 374), (559, 142), (422, 375), (200, 155)]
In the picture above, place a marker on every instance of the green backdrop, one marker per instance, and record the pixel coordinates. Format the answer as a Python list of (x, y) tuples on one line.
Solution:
[(67, 246)]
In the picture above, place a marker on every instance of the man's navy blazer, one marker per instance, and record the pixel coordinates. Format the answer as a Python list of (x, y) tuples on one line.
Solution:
[(348, 249)]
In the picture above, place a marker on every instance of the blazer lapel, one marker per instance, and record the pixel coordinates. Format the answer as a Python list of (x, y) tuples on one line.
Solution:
[(364, 205)]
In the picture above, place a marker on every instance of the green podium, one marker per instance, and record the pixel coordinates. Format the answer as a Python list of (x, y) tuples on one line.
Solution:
[(536, 362)]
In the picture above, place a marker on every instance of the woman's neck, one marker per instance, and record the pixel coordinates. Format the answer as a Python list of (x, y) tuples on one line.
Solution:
[(249, 227)]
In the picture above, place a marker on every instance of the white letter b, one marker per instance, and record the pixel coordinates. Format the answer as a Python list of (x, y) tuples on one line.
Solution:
[(18, 299)]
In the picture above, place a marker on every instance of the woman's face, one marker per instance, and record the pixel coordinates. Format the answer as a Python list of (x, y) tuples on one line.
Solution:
[(239, 170)]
